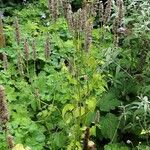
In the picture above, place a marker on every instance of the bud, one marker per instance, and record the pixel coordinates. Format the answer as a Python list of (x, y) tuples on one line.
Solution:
[(129, 142)]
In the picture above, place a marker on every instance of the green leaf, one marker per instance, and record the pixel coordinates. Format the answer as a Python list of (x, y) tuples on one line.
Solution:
[(115, 147), (68, 107), (67, 112), (18, 147), (109, 125), (108, 102), (91, 103)]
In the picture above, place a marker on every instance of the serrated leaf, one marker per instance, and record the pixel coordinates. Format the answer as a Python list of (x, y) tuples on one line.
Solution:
[(108, 102), (109, 125)]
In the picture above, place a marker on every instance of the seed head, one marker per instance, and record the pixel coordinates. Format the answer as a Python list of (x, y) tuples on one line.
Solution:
[(17, 31), (34, 51), (107, 12), (47, 48), (4, 118), (26, 49), (5, 61), (2, 37), (100, 11), (20, 64), (95, 6), (69, 17), (66, 7), (87, 10), (79, 20), (10, 142), (120, 6), (53, 9), (88, 35), (117, 29)]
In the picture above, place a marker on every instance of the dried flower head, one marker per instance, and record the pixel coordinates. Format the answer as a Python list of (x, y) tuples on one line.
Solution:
[(120, 6), (118, 21), (4, 118), (107, 12), (17, 31), (79, 20), (69, 17), (66, 7), (26, 49), (10, 142), (2, 37), (84, 18), (34, 51), (53, 9), (20, 64), (100, 11), (5, 61), (87, 10), (88, 35), (94, 7), (47, 48), (75, 21), (119, 17)]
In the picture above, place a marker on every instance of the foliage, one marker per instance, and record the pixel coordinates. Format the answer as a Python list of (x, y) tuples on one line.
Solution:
[(53, 100)]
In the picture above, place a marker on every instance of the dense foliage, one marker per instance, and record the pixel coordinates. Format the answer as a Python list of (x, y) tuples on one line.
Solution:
[(66, 70)]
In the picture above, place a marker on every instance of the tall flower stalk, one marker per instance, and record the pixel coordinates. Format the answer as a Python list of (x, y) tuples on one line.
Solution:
[(100, 12), (47, 49), (88, 35), (27, 55), (5, 61), (2, 37), (118, 21), (17, 31), (66, 7), (34, 52), (20, 64), (4, 118), (69, 17), (53, 9), (107, 12)]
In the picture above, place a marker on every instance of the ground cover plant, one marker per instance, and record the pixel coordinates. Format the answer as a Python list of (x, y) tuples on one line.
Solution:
[(74, 75)]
